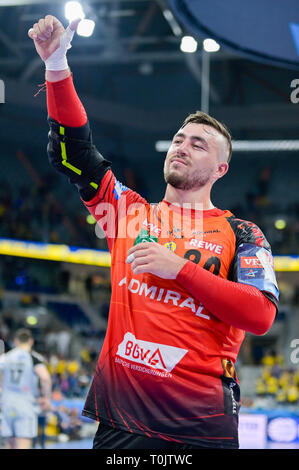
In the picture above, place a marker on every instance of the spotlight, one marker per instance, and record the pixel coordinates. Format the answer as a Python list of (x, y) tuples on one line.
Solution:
[(188, 44), (210, 45), (85, 28), (73, 10)]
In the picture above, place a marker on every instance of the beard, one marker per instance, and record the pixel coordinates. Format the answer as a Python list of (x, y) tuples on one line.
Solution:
[(187, 180)]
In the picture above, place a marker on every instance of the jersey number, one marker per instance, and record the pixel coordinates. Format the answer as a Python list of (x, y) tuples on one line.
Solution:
[(15, 375), (195, 256)]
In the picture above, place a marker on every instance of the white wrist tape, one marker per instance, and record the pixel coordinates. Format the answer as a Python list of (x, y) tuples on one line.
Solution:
[(58, 60)]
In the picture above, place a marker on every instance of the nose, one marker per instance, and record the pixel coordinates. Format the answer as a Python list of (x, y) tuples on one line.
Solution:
[(182, 149)]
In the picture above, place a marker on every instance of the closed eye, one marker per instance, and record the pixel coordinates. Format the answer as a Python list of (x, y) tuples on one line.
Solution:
[(198, 147)]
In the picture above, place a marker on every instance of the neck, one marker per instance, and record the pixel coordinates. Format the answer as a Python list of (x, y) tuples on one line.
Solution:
[(24, 346), (192, 197)]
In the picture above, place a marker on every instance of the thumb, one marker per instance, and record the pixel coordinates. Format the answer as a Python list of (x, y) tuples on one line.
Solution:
[(74, 24), (31, 33)]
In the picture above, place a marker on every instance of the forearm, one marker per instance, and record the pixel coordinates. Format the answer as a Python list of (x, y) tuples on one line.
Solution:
[(70, 148), (63, 103), (239, 305), (46, 388), (57, 75)]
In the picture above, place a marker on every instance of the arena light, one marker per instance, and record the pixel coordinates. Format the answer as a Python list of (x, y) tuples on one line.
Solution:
[(175, 27), (247, 145), (90, 219), (265, 145), (210, 45), (31, 320), (280, 224), (188, 44), (85, 28), (73, 10)]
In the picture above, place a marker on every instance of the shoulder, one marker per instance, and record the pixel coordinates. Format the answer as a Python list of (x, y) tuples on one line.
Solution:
[(10, 354), (37, 358), (112, 191), (248, 232)]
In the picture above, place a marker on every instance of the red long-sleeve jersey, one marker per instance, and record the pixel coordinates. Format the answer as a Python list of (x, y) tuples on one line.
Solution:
[(166, 368)]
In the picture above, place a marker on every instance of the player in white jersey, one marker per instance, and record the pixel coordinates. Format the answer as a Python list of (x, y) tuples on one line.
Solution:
[(26, 390)]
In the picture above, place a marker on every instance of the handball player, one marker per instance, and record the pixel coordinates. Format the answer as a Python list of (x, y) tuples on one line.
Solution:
[(188, 279)]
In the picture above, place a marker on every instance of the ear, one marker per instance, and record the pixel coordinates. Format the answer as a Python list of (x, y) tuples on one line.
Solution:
[(222, 169)]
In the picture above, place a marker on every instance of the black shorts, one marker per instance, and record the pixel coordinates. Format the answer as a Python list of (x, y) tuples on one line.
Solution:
[(109, 438)]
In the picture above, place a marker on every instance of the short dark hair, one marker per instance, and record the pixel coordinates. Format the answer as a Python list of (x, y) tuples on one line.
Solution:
[(23, 335), (203, 118)]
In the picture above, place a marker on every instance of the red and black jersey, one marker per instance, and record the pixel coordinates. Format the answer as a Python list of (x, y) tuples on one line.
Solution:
[(166, 368), (167, 365)]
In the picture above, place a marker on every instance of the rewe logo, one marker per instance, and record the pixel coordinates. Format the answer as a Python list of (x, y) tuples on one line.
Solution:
[(158, 356)]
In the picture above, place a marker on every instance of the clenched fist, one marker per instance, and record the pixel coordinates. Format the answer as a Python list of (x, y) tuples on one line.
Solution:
[(52, 40), (155, 259)]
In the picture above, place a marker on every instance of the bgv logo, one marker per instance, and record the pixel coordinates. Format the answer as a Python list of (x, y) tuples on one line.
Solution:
[(158, 356)]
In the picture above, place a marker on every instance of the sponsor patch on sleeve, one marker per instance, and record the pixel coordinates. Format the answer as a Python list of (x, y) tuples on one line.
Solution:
[(119, 188), (256, 267)]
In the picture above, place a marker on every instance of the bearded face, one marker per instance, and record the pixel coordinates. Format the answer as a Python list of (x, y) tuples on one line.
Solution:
[(192, 160), (182, 175)]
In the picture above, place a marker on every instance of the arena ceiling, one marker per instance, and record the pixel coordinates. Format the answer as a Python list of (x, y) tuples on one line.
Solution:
[(135, 82)]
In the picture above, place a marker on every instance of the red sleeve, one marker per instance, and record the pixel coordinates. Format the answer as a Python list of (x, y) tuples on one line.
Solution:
[(64, 104), (110, 207), (239, 305)]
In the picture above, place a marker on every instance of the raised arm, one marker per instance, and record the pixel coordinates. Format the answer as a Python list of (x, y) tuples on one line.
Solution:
[(51, 42), (70, 148)]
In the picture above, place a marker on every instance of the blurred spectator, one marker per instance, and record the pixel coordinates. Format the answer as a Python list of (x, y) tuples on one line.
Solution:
[(63, 339), (28, 212), (258, 196), (68, 421), (272, 358), (1, 297), (278, 381)]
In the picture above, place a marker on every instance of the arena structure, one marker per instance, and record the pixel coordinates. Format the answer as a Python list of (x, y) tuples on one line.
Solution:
[(141, 68)]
